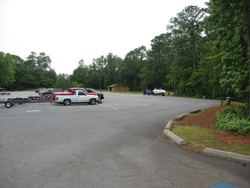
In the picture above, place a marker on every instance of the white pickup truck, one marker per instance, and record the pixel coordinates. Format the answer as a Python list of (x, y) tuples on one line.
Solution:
[(79, 97)]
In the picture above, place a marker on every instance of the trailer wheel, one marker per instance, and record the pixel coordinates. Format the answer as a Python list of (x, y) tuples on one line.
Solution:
[(8, 104), (92, 101), (67, 102)]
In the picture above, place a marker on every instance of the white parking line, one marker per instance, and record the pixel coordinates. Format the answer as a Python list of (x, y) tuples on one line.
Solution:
[(110, 107), (33, 110), (123, 106)]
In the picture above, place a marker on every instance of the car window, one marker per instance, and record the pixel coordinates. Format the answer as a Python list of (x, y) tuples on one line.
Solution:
[(81, 92)]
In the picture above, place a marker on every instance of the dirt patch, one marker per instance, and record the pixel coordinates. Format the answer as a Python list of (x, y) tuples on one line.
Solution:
[(207, 120)]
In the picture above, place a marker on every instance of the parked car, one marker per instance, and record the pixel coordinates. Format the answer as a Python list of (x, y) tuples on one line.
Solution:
[(146, 92), (91, 90), (159, 92), (46, 92), (49, 91), (40, 89)]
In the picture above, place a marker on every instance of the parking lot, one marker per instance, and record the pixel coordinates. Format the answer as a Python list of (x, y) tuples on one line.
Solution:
[(118, 143)]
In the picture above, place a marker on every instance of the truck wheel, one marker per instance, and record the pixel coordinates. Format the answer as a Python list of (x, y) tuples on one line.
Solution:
[(163, 94), (67, 102), (8, 104), (92, 101)]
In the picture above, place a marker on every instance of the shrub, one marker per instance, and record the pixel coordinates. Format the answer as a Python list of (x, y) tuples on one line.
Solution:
[(244, 111), (229, 109), (232, 121)]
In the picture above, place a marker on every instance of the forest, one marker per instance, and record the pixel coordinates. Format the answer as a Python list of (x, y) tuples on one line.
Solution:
[(204, 52)]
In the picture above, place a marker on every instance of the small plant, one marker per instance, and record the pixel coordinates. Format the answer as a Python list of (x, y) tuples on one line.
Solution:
[(233, 120), (229, 109)]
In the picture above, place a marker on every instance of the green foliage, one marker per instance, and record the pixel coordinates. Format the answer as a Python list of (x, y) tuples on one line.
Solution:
[(243, 111), (34, 72), (232, 120), (131, 68), (6, 70), (63, 81), (229, 18), (80, 74)]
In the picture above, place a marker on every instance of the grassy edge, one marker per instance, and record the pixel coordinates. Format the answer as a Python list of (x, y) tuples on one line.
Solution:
[(198, 138)]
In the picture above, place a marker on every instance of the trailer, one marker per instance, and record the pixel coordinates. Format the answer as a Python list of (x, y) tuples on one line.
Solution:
[(4, 93), (32, 99)]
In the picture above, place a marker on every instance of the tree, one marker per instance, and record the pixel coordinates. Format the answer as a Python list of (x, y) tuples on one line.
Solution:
[(34, 72), (6, 70), (231, 19), (80, 74), (185, 34), (63, 81), (190, 23), (43, 61), (131, 67), (206, 79), (111, 70), (154, 71), (96, 73)]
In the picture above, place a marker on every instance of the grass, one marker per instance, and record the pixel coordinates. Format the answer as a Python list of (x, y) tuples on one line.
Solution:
[(128, 92), (140, 93), (200, 138), (194, 135)]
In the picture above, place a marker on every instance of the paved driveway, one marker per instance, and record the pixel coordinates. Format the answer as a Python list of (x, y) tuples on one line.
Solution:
[(118, 143)]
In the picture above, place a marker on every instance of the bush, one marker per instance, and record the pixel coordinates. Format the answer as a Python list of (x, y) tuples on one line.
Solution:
[(244, 111), (229, 109), (232, 121)]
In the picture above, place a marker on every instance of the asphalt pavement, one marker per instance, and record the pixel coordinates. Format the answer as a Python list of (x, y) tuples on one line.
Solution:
[(118, 143)]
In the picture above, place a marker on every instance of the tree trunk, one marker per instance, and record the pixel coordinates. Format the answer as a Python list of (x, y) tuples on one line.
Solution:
[(174, 81), (221, 93), (193, 52), (214, 80), (134, 83)]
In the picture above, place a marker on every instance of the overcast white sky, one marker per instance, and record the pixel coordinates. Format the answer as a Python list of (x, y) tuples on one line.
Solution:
[(71, 30)]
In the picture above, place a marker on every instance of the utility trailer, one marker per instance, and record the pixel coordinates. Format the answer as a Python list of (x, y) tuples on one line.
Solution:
[(4, 93), (32, 99)]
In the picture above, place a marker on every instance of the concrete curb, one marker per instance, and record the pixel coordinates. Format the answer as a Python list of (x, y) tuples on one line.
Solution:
[(238, 158), (169, 125), (178, 118), (178, 140), (167, 131), (195, 111)]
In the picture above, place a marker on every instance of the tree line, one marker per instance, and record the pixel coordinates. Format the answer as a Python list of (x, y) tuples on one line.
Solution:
[(204, 52)]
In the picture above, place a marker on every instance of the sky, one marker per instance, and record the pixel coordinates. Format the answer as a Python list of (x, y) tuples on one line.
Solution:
[(70, 30)]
